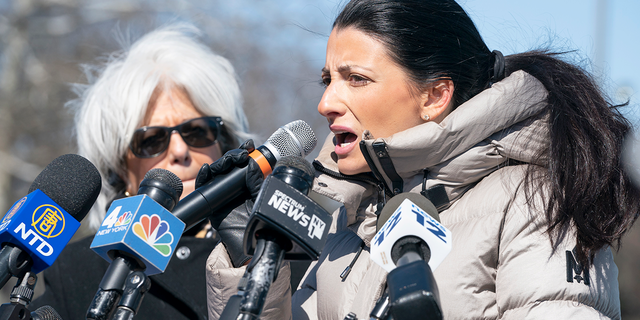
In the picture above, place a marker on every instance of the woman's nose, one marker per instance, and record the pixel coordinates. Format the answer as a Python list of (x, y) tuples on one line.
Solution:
[(178, 149), (330, 106)]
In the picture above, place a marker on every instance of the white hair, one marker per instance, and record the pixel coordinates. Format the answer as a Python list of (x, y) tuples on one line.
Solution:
[(114, 102)]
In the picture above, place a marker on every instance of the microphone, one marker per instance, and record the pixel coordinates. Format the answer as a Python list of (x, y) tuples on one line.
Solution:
[(410, 236), (285, 224), (39, 226), (137, 234), (283, 206), (293, 139), (409, 214), (45, 313), (141, 227)]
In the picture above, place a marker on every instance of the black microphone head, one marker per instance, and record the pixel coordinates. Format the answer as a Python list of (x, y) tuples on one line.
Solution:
[(167, 177), (45, 313), (295, 171), (163, 186), (295, 138), (299, 163), (72, 182), (395, 202)]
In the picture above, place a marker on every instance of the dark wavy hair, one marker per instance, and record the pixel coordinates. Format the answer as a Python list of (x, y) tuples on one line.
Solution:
[(589, 188)]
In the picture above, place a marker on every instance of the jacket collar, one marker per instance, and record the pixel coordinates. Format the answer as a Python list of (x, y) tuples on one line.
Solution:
[(503, 122)]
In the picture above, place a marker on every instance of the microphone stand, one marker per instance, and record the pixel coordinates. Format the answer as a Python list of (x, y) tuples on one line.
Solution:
[(125, 280), (379, 312), (13, 262), (270, 235), (111, 287), (136, 286), (21, 296), (260, 274), (422, 300), (381, 309), (408, 296)]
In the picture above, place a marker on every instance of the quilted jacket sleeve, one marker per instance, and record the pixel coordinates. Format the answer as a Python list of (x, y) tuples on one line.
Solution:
[(222, 283), (534, 281), (503, 265)]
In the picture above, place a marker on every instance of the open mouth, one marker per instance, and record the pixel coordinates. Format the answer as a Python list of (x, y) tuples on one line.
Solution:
[(344, 139)]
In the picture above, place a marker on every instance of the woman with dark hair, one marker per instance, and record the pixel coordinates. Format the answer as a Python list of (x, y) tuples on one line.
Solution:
[(520, 155)]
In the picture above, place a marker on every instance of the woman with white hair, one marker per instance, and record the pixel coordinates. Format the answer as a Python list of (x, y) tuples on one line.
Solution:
[(165, 102), (167, 64)]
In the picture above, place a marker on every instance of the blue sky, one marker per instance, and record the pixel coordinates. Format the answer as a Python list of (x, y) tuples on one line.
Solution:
[(513, 26)]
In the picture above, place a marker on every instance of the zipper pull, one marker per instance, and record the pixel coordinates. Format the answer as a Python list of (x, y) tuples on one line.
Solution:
[(382, 200), (347, 270)]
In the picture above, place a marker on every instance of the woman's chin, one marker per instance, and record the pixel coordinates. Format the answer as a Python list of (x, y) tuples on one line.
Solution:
[(353, 165)]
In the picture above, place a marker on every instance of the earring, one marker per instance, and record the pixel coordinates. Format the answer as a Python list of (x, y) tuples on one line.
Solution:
[(426, 117), (127, 194)]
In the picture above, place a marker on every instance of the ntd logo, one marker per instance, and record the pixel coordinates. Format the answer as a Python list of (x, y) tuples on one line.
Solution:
[(39, 226), (43, 248), (155, 232), (48, 221)]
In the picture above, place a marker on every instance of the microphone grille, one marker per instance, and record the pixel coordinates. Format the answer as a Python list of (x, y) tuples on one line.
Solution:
[(72, 182), (45, 313), (166, 176), (293, 139)]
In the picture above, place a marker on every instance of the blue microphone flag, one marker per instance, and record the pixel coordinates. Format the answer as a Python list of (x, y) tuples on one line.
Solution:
[(39, 226), (142, 228)]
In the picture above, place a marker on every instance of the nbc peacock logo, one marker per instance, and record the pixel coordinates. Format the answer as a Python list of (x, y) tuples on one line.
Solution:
[(124, 219), (155, 232)]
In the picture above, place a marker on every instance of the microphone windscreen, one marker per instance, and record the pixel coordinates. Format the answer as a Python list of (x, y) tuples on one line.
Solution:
[(296, 138), (72, 182), (395, 202), (167, 177)]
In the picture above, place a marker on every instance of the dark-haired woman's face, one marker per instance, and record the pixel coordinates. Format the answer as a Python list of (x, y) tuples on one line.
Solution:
[(365, 90)]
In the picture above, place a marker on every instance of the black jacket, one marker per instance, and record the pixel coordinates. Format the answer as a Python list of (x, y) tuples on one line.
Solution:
[(178, 293)]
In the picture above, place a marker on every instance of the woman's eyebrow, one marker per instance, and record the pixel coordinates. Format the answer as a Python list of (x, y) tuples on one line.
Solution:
[(341, 69)]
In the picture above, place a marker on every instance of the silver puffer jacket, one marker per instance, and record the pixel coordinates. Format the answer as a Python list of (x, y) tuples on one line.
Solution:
[(502, 264)]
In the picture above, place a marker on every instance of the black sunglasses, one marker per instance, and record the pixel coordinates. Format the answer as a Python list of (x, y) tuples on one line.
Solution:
[(149, 142)]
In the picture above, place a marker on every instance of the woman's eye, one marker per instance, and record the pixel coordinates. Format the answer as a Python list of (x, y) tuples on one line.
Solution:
[(358, 80), (194, 131), (152, 140), (325, 82)]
